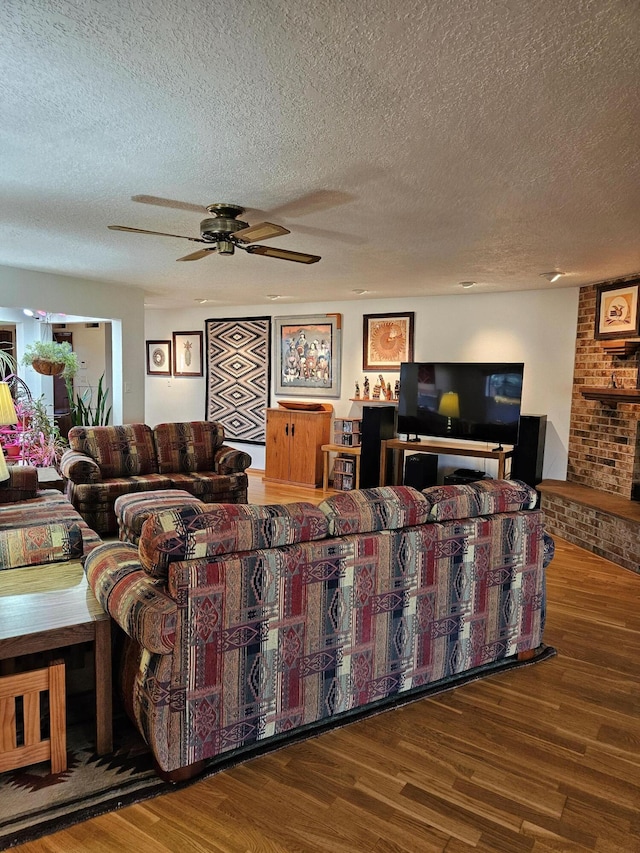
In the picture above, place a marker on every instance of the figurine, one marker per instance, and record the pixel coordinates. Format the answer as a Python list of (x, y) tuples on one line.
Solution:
[(366, 388), (396, 391), (357, 397), (383, 386), (376, 391), (388, 395)]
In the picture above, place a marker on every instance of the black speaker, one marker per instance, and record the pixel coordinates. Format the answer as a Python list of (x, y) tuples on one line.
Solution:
[(421, 470), (378, 424), (528, 454)]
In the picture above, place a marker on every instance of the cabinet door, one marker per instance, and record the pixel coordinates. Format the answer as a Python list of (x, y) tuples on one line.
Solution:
[(310, 431), (277, 444)]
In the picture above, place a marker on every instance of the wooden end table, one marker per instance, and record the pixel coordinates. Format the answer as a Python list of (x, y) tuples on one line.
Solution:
[(51, 606)]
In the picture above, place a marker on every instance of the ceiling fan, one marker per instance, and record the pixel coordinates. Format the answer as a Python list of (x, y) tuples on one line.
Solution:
[(224, 233)]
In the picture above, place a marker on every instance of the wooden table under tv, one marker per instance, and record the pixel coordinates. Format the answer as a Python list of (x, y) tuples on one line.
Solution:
[(398, 447)]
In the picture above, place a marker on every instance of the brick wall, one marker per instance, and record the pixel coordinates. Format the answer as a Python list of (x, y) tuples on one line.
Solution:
[(603, 440)]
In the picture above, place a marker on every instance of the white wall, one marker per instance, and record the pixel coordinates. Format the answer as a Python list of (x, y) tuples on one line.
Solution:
[(534, 327), (124, 306)]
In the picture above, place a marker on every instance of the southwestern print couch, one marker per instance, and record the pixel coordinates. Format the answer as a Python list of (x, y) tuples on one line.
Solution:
[(104, 462), (246, 625), (39, 527)]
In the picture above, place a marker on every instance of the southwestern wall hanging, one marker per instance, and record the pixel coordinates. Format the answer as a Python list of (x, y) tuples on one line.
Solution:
[(307, 355), (238, 376)]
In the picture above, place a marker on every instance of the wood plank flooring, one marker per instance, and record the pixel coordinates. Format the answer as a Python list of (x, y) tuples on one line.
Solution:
[(544, 759)]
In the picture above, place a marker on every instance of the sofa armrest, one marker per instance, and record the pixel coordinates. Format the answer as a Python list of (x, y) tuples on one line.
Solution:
[(40, 543), (138, 603), (79, 467), (228, 460), (21, 485)]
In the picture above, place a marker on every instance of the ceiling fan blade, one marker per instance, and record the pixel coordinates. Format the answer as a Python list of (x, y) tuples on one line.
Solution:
[(261, 231), (159, 233), (169, 202), (195, 256), (283, 254)]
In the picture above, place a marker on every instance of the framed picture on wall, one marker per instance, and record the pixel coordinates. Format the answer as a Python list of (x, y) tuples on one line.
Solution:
[(307, 355), (387, 340), (617, 313), (158, 358), (187, 354)]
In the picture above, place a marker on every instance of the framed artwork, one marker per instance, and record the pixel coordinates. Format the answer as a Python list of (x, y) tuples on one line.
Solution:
[(187, 354), (159, 358), (387, 340), (617, 311), (307, 355)]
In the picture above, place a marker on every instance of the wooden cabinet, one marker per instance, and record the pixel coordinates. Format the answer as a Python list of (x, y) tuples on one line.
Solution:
[(293, 448)]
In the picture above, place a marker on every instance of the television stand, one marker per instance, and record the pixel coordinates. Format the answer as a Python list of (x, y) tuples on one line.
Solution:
[(398, 447)]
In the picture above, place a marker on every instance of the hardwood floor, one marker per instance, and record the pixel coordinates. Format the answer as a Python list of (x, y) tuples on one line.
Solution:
[(546, 758)]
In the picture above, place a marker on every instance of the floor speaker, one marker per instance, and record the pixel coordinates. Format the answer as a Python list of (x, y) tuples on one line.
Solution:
[(378, 424), (528, 454)]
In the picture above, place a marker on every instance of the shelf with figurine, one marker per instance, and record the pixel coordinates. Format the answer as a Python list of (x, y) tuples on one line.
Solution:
[(382, 392)]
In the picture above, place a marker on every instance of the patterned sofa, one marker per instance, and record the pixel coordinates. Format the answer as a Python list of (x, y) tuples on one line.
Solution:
[(104, 462), (246, 625), (39, 527)]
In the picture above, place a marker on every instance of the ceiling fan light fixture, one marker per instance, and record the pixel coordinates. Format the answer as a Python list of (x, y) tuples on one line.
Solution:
[(551, 276), (225, 247)]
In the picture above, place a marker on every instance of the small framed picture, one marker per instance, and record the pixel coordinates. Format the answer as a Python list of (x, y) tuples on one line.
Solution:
[(617, 313), (187, 354), (159, 358), (387, 341)]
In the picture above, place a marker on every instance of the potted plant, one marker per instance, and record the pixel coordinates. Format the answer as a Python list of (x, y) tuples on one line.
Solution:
[(51, 358)]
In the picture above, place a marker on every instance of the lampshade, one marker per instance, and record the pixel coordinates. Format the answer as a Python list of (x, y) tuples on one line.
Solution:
[(449, 405), (7, 409), (7, 416)]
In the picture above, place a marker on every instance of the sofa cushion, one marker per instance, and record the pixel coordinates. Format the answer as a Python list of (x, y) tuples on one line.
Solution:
[(483, 497), (368, 510), (187, 447), (120, 451), (208, 530), (37, 544)]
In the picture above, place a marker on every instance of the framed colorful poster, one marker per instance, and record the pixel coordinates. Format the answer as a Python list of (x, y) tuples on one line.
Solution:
[(187, 354), (387, 341), (158, 358), (617, 313), (307, 355)]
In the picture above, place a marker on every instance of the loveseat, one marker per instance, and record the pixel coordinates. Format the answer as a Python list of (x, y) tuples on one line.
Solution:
[(246, 625), (39, 527), (104, 462)]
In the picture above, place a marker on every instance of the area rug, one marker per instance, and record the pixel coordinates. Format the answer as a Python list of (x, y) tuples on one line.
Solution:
[(238, 378), (35, 802)]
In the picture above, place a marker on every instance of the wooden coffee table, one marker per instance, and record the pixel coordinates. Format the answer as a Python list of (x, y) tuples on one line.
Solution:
[(47, 607)]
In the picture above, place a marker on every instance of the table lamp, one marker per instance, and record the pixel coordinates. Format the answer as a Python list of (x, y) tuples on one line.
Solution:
[(449, 407), (7, 416)]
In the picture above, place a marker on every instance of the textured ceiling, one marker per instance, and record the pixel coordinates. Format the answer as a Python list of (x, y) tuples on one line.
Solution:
[(413, 145)]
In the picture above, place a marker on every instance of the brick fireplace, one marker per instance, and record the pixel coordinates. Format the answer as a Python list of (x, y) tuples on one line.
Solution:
[(593, 508)]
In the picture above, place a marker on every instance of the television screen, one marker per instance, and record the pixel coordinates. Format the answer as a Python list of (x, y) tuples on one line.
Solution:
[(479, 402)]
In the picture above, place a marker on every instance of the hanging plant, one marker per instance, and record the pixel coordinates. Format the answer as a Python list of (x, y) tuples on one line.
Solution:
[(51, 358)]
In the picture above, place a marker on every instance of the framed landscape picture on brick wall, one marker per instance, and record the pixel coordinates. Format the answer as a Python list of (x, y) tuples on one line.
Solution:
[(617, 314)]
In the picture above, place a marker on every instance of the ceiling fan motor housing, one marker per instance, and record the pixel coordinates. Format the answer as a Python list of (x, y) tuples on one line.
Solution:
[(223, 223)]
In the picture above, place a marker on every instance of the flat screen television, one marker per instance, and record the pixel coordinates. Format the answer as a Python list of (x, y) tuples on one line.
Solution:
[(478, 402)]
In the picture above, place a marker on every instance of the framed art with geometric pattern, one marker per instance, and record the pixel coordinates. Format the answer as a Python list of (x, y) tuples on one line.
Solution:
[(387, 340), (158, 358), (238, 362), (187, 353)]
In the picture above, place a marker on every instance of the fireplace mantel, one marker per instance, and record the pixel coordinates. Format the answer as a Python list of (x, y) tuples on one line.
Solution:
[(612, 395)]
